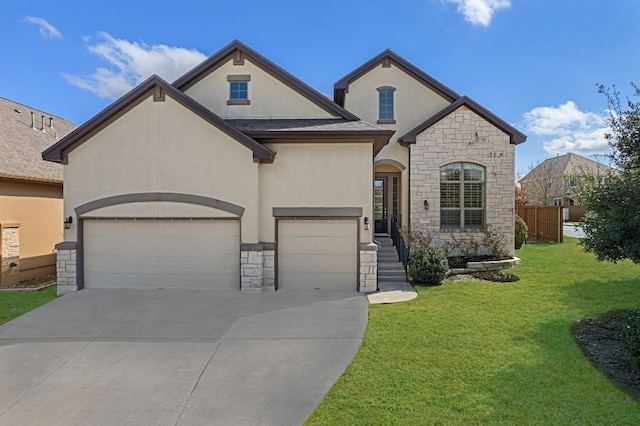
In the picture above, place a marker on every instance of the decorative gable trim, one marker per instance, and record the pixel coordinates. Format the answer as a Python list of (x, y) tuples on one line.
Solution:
[(238, 51), (516, 137), (158, 88), (386, 59)]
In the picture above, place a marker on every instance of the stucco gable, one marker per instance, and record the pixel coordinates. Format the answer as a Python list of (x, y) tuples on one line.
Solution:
[(386, 58), (236, 53), (158, 88), (515, 136)]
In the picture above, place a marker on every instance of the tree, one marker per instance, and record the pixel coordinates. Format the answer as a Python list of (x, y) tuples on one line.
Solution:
[(612, 222), (537, 184)]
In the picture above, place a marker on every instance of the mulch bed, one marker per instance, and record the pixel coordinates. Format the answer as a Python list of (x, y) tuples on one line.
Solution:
[(602, 342), (35, 284)]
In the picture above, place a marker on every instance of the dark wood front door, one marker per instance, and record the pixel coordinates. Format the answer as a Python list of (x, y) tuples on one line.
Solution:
[(380, 205)]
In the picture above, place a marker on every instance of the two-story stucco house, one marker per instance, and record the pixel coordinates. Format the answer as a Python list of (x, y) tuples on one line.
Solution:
[(238, 175)]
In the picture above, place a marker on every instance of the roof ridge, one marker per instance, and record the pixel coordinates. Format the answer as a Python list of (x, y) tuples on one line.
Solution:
[(36, 109)]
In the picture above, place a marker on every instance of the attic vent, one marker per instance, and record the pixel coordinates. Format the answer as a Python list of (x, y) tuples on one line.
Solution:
[(158, 94), (386, 63), (238, 58)]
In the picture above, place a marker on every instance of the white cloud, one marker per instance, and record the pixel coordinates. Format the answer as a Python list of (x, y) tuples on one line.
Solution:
[(567, 129), (129, 63), (46, 29), (479, 12)]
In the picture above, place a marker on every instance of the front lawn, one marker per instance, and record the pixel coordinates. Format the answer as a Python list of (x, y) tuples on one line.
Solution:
[(14, 304), (490, 353)]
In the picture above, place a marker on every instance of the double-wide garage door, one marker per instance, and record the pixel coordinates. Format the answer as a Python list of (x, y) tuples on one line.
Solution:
[(318, 253), (161, 254)]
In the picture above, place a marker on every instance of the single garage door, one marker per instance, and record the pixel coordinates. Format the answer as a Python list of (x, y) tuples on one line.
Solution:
[(162, 254), (320, 253)]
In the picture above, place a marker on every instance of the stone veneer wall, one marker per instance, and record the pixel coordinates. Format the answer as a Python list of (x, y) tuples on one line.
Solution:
[(368, 267), (452, 140), (10, 254), (66, 267)]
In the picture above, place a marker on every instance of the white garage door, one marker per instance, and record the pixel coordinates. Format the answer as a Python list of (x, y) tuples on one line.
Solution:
[(161, 254), (318, 254)]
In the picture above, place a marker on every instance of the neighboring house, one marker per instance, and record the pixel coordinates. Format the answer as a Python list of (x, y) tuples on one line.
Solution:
[(555, 181), (239, 175), (31, 204)]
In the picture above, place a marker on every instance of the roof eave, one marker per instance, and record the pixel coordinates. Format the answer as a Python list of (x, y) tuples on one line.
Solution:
[(59, 152)]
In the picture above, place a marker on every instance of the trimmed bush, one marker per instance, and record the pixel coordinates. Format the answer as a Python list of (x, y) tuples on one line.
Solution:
[(428, 265), (521, 232), (632, 339)]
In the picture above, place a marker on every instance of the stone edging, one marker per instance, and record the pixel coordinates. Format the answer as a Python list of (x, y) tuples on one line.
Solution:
[(491, 265), (26, 289)]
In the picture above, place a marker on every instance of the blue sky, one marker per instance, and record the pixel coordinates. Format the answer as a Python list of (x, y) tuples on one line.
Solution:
[(534, 63)]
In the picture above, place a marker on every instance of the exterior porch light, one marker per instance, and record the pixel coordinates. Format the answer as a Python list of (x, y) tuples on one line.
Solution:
[(67, 222), (366, 223), (426, 205)]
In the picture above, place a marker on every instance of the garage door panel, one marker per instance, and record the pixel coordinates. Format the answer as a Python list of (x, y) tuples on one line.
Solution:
[(162, 253), (318, 253)]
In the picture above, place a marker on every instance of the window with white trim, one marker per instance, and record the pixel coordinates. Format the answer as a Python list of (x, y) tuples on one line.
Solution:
[(462, 196), (557, 201)]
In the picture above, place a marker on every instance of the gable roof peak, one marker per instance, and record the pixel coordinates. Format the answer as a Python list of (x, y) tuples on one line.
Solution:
[(221, 56), (340, 88), (59, 152), (515, 136)]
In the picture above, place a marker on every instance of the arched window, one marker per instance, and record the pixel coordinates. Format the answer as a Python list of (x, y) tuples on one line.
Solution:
[(462, 200), (385, 105)]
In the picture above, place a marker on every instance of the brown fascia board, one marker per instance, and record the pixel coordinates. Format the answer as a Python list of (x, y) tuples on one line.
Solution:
[(516, 137), (342, 85), (221, 57), (380, 137), (59, 152)]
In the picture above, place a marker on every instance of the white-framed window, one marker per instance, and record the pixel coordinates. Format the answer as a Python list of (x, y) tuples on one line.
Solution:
[(549, 183), (386, 105), (572, 182), (557, 201), (238, 89), (462, 196)]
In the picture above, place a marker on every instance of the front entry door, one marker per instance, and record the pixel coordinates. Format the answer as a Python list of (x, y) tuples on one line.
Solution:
[(380, 205)]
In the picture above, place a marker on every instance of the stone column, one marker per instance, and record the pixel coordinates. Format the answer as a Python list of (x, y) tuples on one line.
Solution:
[(66, 267), (368, 267)]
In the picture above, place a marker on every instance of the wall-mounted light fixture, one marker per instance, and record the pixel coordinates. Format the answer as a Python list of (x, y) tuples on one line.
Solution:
[(426, 205), (67, 222), (366, 223)]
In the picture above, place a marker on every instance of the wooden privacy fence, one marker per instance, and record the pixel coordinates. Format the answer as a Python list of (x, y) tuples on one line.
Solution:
[(544, 223)]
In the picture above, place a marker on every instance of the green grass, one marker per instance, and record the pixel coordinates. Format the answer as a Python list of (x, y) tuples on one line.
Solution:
[(469, 353), (14, 304)]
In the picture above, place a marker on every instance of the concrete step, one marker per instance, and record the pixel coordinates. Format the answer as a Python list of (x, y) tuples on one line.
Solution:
[(395, 279), (391, 267)]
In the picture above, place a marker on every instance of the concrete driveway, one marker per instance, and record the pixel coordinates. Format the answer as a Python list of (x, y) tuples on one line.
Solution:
[(177, 357)]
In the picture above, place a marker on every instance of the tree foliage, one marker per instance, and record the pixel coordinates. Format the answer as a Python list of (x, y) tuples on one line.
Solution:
[(612, 222)]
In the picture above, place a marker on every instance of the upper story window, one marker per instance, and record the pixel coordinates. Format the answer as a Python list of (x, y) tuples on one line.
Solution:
[(238, 89), (385, 105), (462, 201), (549, 183)]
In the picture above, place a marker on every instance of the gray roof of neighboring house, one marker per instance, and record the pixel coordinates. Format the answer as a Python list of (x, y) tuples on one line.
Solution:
[(567, 164), (21, 145)]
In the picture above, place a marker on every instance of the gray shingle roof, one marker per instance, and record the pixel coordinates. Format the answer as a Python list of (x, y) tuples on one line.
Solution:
[(300, 125), (21, 145), (566, 165)]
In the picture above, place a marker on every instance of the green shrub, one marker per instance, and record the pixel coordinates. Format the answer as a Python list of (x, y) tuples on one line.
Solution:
[(428, 265), (521, 232), (632, 338)]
